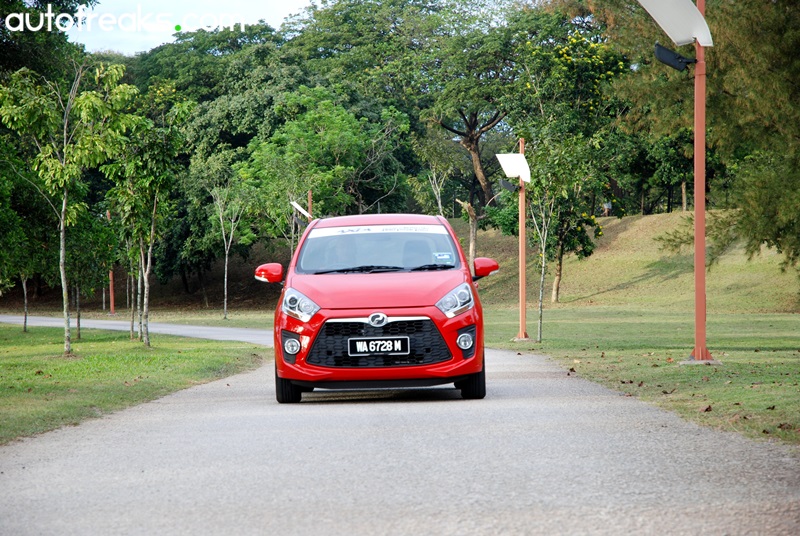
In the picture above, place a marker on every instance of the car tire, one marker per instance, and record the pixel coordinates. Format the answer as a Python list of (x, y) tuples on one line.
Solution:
[(474, 387), (286, 392)]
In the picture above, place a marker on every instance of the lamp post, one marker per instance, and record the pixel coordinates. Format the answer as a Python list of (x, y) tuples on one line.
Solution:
[(515, 166), (685, 23)]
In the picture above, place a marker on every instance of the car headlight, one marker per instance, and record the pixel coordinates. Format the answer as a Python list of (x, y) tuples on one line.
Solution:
[(456, 301), (298, 305)]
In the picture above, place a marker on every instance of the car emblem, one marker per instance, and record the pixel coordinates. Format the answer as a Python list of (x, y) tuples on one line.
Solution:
[(377, 320)]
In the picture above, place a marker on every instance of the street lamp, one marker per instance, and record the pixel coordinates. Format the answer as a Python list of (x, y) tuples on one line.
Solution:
[(516, 166), (685, 23)]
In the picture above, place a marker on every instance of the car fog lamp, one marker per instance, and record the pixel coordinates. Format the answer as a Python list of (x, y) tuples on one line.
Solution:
[(465, 341), (291, 346)]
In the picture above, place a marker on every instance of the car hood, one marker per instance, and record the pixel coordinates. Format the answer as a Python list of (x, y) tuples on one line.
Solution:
[(380, 290)]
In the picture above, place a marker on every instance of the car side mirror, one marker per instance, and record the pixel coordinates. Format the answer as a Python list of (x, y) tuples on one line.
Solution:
[(483, 266), (270, 273)]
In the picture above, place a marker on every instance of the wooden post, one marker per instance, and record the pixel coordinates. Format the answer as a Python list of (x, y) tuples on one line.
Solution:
[(700, 352)]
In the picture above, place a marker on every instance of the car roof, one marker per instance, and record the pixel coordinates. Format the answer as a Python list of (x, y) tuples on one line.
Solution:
[(378, 219)]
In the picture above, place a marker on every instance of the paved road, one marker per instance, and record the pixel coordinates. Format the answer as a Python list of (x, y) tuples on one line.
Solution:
[(255, 336), (544, 453)]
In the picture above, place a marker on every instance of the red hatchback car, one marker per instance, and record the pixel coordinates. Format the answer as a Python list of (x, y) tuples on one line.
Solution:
[(378, 301)]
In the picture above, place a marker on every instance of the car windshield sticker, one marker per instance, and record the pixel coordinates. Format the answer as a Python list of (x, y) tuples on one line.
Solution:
[(374, 229), (443, 257)]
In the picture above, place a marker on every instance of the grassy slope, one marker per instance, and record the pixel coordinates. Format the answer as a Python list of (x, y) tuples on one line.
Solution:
[(629, 270)]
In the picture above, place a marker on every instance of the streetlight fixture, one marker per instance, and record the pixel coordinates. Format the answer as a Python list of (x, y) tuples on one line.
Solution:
[(516, 166), (685, 23)]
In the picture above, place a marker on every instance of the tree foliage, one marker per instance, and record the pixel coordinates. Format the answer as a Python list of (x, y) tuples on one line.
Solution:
[(72, 129)]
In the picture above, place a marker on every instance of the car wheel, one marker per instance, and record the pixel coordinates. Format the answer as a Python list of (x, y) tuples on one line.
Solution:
[(474, 387), (286, 392)]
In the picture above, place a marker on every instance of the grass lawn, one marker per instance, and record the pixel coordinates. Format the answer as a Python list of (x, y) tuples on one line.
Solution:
[(756, 390), (41, 390)]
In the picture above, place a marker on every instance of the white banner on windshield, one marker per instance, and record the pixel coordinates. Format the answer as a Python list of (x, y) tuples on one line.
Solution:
[(376, 229)]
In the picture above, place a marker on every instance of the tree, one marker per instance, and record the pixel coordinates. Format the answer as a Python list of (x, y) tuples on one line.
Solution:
[(72, 130), (196, 63), (233, 201), (768, 198), (752, 97), (89, 233), (348, 162), (466, 74), (144, 174), (11, 238), (443, 159), (23, 48)]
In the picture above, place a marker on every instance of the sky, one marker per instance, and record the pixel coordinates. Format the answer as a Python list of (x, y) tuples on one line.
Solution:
[(131, 26)]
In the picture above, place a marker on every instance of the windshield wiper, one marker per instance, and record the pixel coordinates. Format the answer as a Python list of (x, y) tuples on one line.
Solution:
[(368, 269), (425, 267)]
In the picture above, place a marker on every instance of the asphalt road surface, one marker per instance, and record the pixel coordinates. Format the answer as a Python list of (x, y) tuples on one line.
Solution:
[(544, 453)]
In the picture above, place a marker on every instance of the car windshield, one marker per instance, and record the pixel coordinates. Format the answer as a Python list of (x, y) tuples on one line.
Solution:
[(377, 249)]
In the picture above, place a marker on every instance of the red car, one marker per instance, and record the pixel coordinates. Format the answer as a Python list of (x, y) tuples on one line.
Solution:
[(378, 301)]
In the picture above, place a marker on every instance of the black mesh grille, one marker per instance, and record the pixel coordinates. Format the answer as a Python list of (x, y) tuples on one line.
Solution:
[(426, 344)]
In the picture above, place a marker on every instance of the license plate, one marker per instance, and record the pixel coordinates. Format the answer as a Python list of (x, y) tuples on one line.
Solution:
[(378, 346)]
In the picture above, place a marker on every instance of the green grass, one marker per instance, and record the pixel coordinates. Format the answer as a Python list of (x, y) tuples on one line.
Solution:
[(637, 352), (237, 318), (41, 390)]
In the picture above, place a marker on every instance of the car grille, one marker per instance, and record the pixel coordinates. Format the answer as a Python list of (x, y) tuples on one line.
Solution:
[(426, 344)]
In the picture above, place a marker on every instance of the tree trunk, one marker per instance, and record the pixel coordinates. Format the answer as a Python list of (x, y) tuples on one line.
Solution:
[(131, 301), (641, 203), (225, 289), (145, 335), (473, 231), (185, 281), (557, 278), (203, 285), (669, 199), (77, 292), (684, 199), (62, 269), (477, 166), (541, 297), (139, 299), (147, 268), (25, 304)]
